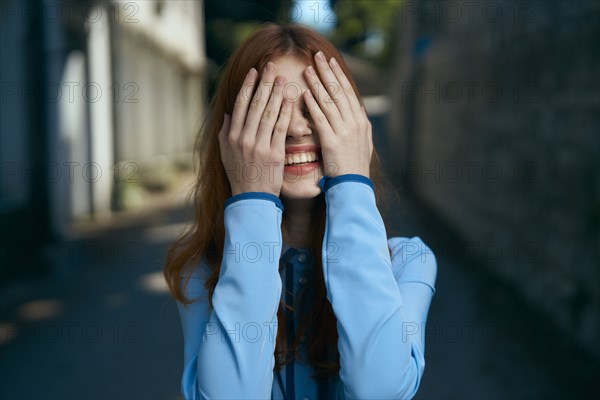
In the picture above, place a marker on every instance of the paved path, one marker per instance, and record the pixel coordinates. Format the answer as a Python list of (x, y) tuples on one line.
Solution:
[(111, 333), (482, 342), (115, 333), (104, 328)]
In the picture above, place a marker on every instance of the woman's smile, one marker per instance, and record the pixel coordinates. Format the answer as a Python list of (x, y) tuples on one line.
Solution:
[(301, 160)]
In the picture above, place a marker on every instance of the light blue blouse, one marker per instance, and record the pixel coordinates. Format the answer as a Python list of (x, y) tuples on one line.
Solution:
[(380, 290)]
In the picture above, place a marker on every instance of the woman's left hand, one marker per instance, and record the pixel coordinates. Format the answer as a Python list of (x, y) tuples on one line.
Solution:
[(344, 130)]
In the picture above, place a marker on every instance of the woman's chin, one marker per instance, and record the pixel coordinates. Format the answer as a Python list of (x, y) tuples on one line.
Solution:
[(305, 189)]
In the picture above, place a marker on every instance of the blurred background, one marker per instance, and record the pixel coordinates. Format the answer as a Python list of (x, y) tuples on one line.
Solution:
[(486, 115)]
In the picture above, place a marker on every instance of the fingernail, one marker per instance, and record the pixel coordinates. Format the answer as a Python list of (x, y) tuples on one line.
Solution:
[(310, 70), (334, 62), (320, 56), (270, 66)]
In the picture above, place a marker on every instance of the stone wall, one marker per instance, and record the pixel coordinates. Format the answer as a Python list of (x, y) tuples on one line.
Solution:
[(495, 118)]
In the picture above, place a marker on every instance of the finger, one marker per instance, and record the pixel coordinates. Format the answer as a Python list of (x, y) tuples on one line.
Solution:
[(282, 125), (224, 128), (242, 102), (327, 106), (371, 144), (259, 101), (224, 146), (333, 87), (369, 135), (319, 118), (269, 117), (346, 86)]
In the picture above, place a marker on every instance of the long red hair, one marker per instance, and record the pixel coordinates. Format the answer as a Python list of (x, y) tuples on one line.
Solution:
[(205, 237)]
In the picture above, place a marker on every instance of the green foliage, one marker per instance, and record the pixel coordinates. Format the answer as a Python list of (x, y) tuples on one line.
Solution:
[(228, 23), (360, 19), (225, 35)]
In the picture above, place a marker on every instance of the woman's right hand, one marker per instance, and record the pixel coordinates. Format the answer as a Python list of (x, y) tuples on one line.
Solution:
[(252, 140)]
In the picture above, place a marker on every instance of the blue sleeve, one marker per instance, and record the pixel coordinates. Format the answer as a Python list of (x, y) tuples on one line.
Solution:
[(229, 351), (380, 302)]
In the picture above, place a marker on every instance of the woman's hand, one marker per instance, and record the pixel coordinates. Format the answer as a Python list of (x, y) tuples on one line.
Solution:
[(344, 129), (252, 140)]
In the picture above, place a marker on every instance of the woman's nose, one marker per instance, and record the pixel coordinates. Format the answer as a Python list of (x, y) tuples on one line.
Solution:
[(299, 126)]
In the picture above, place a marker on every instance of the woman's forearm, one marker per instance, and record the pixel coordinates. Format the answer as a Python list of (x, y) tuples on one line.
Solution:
[(236, 343), (378, 358)]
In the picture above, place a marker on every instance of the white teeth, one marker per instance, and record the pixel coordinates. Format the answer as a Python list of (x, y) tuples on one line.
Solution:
[(297, 158)]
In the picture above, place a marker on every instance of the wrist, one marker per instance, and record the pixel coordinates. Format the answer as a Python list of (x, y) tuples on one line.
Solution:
[(255, 195), (327, 182)]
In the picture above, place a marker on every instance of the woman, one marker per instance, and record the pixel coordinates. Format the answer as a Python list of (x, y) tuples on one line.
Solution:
[(286, 195)]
